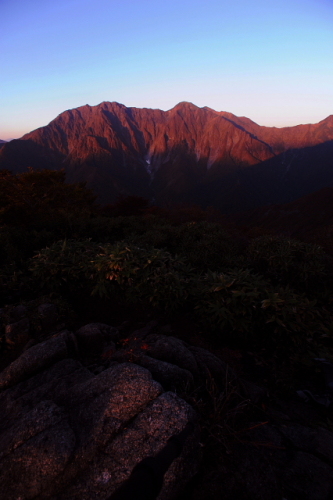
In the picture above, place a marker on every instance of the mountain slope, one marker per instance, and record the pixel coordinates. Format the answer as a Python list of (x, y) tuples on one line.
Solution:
[(186, 154), (309, 218)]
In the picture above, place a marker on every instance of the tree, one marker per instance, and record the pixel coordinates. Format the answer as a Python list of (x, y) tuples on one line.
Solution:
[(37, 197)]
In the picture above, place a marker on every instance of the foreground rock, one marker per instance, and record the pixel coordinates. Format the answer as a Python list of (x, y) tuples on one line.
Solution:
[(69, 433), (174, 363), (79, 411)]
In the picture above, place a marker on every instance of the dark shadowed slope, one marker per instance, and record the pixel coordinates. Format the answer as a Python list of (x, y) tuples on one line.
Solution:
[(309, 218)]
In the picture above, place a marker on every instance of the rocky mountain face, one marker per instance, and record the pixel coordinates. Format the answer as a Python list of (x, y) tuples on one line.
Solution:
[(184, 155)]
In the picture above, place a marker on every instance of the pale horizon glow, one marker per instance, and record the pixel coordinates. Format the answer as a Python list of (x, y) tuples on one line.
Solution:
[(268, 61)]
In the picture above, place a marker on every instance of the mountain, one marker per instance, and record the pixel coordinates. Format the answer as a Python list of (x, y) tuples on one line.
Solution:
[(184, 155)]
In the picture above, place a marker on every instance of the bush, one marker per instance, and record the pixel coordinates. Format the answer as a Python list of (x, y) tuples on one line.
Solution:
[(205, 245), (208, 245), (236, 304), (146, 275), (247, 309), (65, 266), (290, 262), (41, 196)]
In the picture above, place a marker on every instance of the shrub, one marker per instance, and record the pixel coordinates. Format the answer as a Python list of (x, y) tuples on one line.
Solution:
[(137, 274), (144, 274), (41, 196), (208, 245), (205, 245), (245, 307), (64, 266), (230, 301), (290, 262)]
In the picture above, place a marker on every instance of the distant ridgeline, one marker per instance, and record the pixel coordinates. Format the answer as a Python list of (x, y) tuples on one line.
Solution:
[(185, 155)]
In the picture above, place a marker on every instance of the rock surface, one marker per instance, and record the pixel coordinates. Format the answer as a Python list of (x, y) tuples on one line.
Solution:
[(173, 362), (34, 359), (76, 419), (67, 433)]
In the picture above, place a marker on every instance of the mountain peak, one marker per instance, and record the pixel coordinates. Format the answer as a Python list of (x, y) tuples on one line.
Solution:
[(328, 120), (111, 104), (185, 105)]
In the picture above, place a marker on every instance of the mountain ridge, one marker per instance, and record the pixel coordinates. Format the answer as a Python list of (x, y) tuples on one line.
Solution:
[(174, 156)]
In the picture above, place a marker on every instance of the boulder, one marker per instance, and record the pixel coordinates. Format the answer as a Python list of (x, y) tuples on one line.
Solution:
[(316, 441), (18, 312), (172, 361), (143, 437), (48, 315), (159, 353), (171, 376), (93, 338), (36, 358), (18, 334), (171, 350), (308, 478), (35, 450), (211, 367), (66, 433)]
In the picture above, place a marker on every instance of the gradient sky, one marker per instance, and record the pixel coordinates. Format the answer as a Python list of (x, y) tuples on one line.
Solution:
[(268, 60)]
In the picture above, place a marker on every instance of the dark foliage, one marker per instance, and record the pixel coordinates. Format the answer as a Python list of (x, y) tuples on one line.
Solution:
[(264, 293), (41, 197), (130, 205)]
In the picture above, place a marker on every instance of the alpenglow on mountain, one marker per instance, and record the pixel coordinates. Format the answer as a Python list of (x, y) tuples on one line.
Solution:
[(184, 155)]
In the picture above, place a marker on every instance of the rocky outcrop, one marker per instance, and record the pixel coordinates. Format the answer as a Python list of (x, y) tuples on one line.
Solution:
[(172, 362), (74, 423), (34, 359), (187, 154), (82, 412)]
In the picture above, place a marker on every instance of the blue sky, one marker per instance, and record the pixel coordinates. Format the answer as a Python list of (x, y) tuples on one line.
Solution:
[(267, 60)]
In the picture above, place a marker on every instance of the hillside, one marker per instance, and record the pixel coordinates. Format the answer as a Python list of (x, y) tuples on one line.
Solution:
[(309, 218)]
